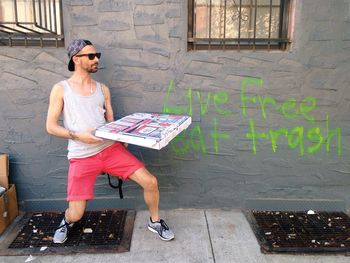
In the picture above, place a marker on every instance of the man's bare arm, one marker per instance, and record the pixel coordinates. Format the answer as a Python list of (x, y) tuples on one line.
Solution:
[(108, 105)]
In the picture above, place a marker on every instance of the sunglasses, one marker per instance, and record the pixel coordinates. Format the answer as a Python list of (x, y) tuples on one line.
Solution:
[(91, 56)]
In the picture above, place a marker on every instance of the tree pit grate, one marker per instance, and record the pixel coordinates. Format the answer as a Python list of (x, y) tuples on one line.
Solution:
[(97, 232), (301, 232)]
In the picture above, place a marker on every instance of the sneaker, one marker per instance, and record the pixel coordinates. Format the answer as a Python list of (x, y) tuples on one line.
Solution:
[(161, 228), (61, 233)]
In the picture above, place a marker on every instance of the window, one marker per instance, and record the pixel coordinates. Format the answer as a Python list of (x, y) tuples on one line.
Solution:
[(31, 23), (238, 24)]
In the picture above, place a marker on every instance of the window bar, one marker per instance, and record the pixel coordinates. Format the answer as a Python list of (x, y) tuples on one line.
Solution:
[(239, 24), (281, 23), (61, 17), (7, 32), (285, 21), (15, 6), (224, 39), (34, 13), (50, 15), (39, 14), (25, 41), (40, 19), (11, 29), (55, 17), (27, 28), (270, 22), (15, 28), (210, 9), (250, 18), (255, 16), (49, 30), (191, 24), (45, 14), (39, 7), (16, 20), (16, 14)]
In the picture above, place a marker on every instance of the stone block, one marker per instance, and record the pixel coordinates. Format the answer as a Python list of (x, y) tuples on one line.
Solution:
[(113, 24), (148, 15), (114, 6), (81, 2), (79, 19)]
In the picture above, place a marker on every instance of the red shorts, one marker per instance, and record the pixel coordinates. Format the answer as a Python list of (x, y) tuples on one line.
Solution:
[(115, 160)]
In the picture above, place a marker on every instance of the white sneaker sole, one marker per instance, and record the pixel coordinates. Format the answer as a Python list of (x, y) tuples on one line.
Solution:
[(59, 242), (162, 238)]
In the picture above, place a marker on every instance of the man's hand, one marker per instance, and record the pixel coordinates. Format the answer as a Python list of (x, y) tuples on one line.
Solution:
[(88, 137)]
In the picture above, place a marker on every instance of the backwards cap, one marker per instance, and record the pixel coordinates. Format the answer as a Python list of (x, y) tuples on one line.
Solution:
[(74, 48)]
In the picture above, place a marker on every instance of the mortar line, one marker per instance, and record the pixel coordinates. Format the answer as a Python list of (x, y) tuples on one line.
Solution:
[(211, 243)]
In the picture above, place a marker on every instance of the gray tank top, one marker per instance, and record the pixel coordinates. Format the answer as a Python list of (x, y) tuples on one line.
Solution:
[(79, 114)]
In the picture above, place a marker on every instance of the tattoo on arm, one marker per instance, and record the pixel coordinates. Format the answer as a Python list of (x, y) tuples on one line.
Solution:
[(72, 135)]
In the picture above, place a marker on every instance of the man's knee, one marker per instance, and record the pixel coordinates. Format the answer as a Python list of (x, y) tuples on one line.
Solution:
[(145, 179), (75, 211), (152, 183), (74, 215)]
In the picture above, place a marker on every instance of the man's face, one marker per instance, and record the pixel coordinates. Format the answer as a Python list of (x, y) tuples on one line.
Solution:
[(87, 60)]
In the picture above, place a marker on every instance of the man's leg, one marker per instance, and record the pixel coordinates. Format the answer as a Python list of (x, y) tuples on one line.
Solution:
[(151, 195), (150, 190), (74, 213)]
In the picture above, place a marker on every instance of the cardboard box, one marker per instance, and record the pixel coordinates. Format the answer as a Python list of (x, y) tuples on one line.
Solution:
[(8, 207), (4, 170)]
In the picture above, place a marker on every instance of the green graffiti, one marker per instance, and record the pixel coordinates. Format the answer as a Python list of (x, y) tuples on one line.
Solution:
[(200, 143), (335, 133), (295, 138), (263, 101), (203, 106), (189, 108), (252, 135), (180, 145), (288, 109), (196, 139), (307, 140), (216, 136), (274, 135), (244, 98), (304, 109), (221, 98), (166, 108), (314, 135)]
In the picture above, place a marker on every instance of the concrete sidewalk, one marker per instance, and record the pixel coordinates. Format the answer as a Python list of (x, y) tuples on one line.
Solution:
[(213, 236)]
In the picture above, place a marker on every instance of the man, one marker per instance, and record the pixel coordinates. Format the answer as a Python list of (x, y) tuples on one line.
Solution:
[(86, 104)]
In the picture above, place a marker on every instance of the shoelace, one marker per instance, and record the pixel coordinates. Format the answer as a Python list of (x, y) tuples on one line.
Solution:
[(62, 226), (163, 225)]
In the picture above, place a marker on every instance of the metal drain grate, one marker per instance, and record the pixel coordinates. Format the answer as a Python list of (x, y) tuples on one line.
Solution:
[(102, 231), (300, 232)]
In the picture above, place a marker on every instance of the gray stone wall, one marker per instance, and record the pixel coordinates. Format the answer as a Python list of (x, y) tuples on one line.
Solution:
[(292, 149)]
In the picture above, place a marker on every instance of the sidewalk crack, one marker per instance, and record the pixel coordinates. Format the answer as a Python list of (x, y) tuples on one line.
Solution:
[(211, 243)]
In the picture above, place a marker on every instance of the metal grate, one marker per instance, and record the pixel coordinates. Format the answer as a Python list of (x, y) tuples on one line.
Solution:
[(239, 24), (301, 232), (104, 231), (31, 23)]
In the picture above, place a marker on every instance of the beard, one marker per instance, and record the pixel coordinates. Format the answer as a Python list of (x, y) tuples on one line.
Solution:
[(93, 68)]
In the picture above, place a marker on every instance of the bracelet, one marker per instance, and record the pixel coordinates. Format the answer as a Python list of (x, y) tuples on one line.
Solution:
[(72, 135)]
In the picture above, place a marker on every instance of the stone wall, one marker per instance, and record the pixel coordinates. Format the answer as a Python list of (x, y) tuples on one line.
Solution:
[(270, 128)]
